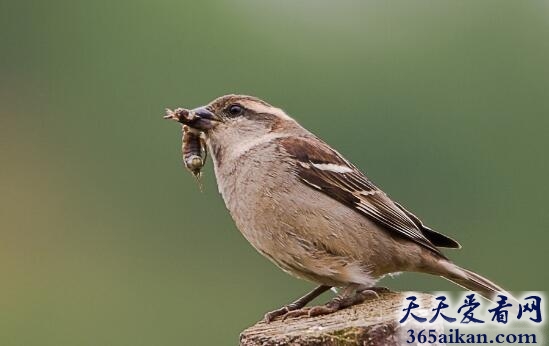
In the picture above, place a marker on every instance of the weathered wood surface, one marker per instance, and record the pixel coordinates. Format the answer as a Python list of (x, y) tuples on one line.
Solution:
[(373, 323)]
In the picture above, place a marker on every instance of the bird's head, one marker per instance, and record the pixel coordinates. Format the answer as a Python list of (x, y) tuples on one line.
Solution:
[(240, 115)]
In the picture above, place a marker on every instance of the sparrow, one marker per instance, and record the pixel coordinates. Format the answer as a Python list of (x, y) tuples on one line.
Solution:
[(310, 211)]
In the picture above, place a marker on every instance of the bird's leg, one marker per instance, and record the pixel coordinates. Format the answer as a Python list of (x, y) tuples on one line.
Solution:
[(298, 304), (351, 295)]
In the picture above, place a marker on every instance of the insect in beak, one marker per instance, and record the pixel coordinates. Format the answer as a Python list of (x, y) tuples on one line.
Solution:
[(193, 138), (200, 118), (194, 152)]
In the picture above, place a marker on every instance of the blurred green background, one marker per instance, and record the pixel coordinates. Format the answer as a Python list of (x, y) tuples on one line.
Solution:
[(106, 240)]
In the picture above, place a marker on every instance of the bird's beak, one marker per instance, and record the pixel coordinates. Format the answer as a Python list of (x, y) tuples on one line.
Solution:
[(204, 113), (200, 118)]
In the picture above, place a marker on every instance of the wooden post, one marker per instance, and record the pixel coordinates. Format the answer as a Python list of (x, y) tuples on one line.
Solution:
[(373, 323)]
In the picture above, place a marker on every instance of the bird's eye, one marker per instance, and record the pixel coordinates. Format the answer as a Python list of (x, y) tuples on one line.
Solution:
[(235, 110)]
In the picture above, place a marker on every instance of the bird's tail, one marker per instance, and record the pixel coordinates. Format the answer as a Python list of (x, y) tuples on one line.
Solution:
[(473, 281)]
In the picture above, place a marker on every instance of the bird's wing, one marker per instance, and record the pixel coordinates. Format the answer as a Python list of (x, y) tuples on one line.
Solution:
[(323, 169)]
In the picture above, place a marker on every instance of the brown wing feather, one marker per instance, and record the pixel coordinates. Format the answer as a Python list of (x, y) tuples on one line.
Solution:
[(353, 189), (435, 237)]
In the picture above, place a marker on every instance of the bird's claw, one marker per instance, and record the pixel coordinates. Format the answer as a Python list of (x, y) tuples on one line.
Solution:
[(312, 311), (296, 313), (285, 312), (369, 294), (336, 304), (271, 315)]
